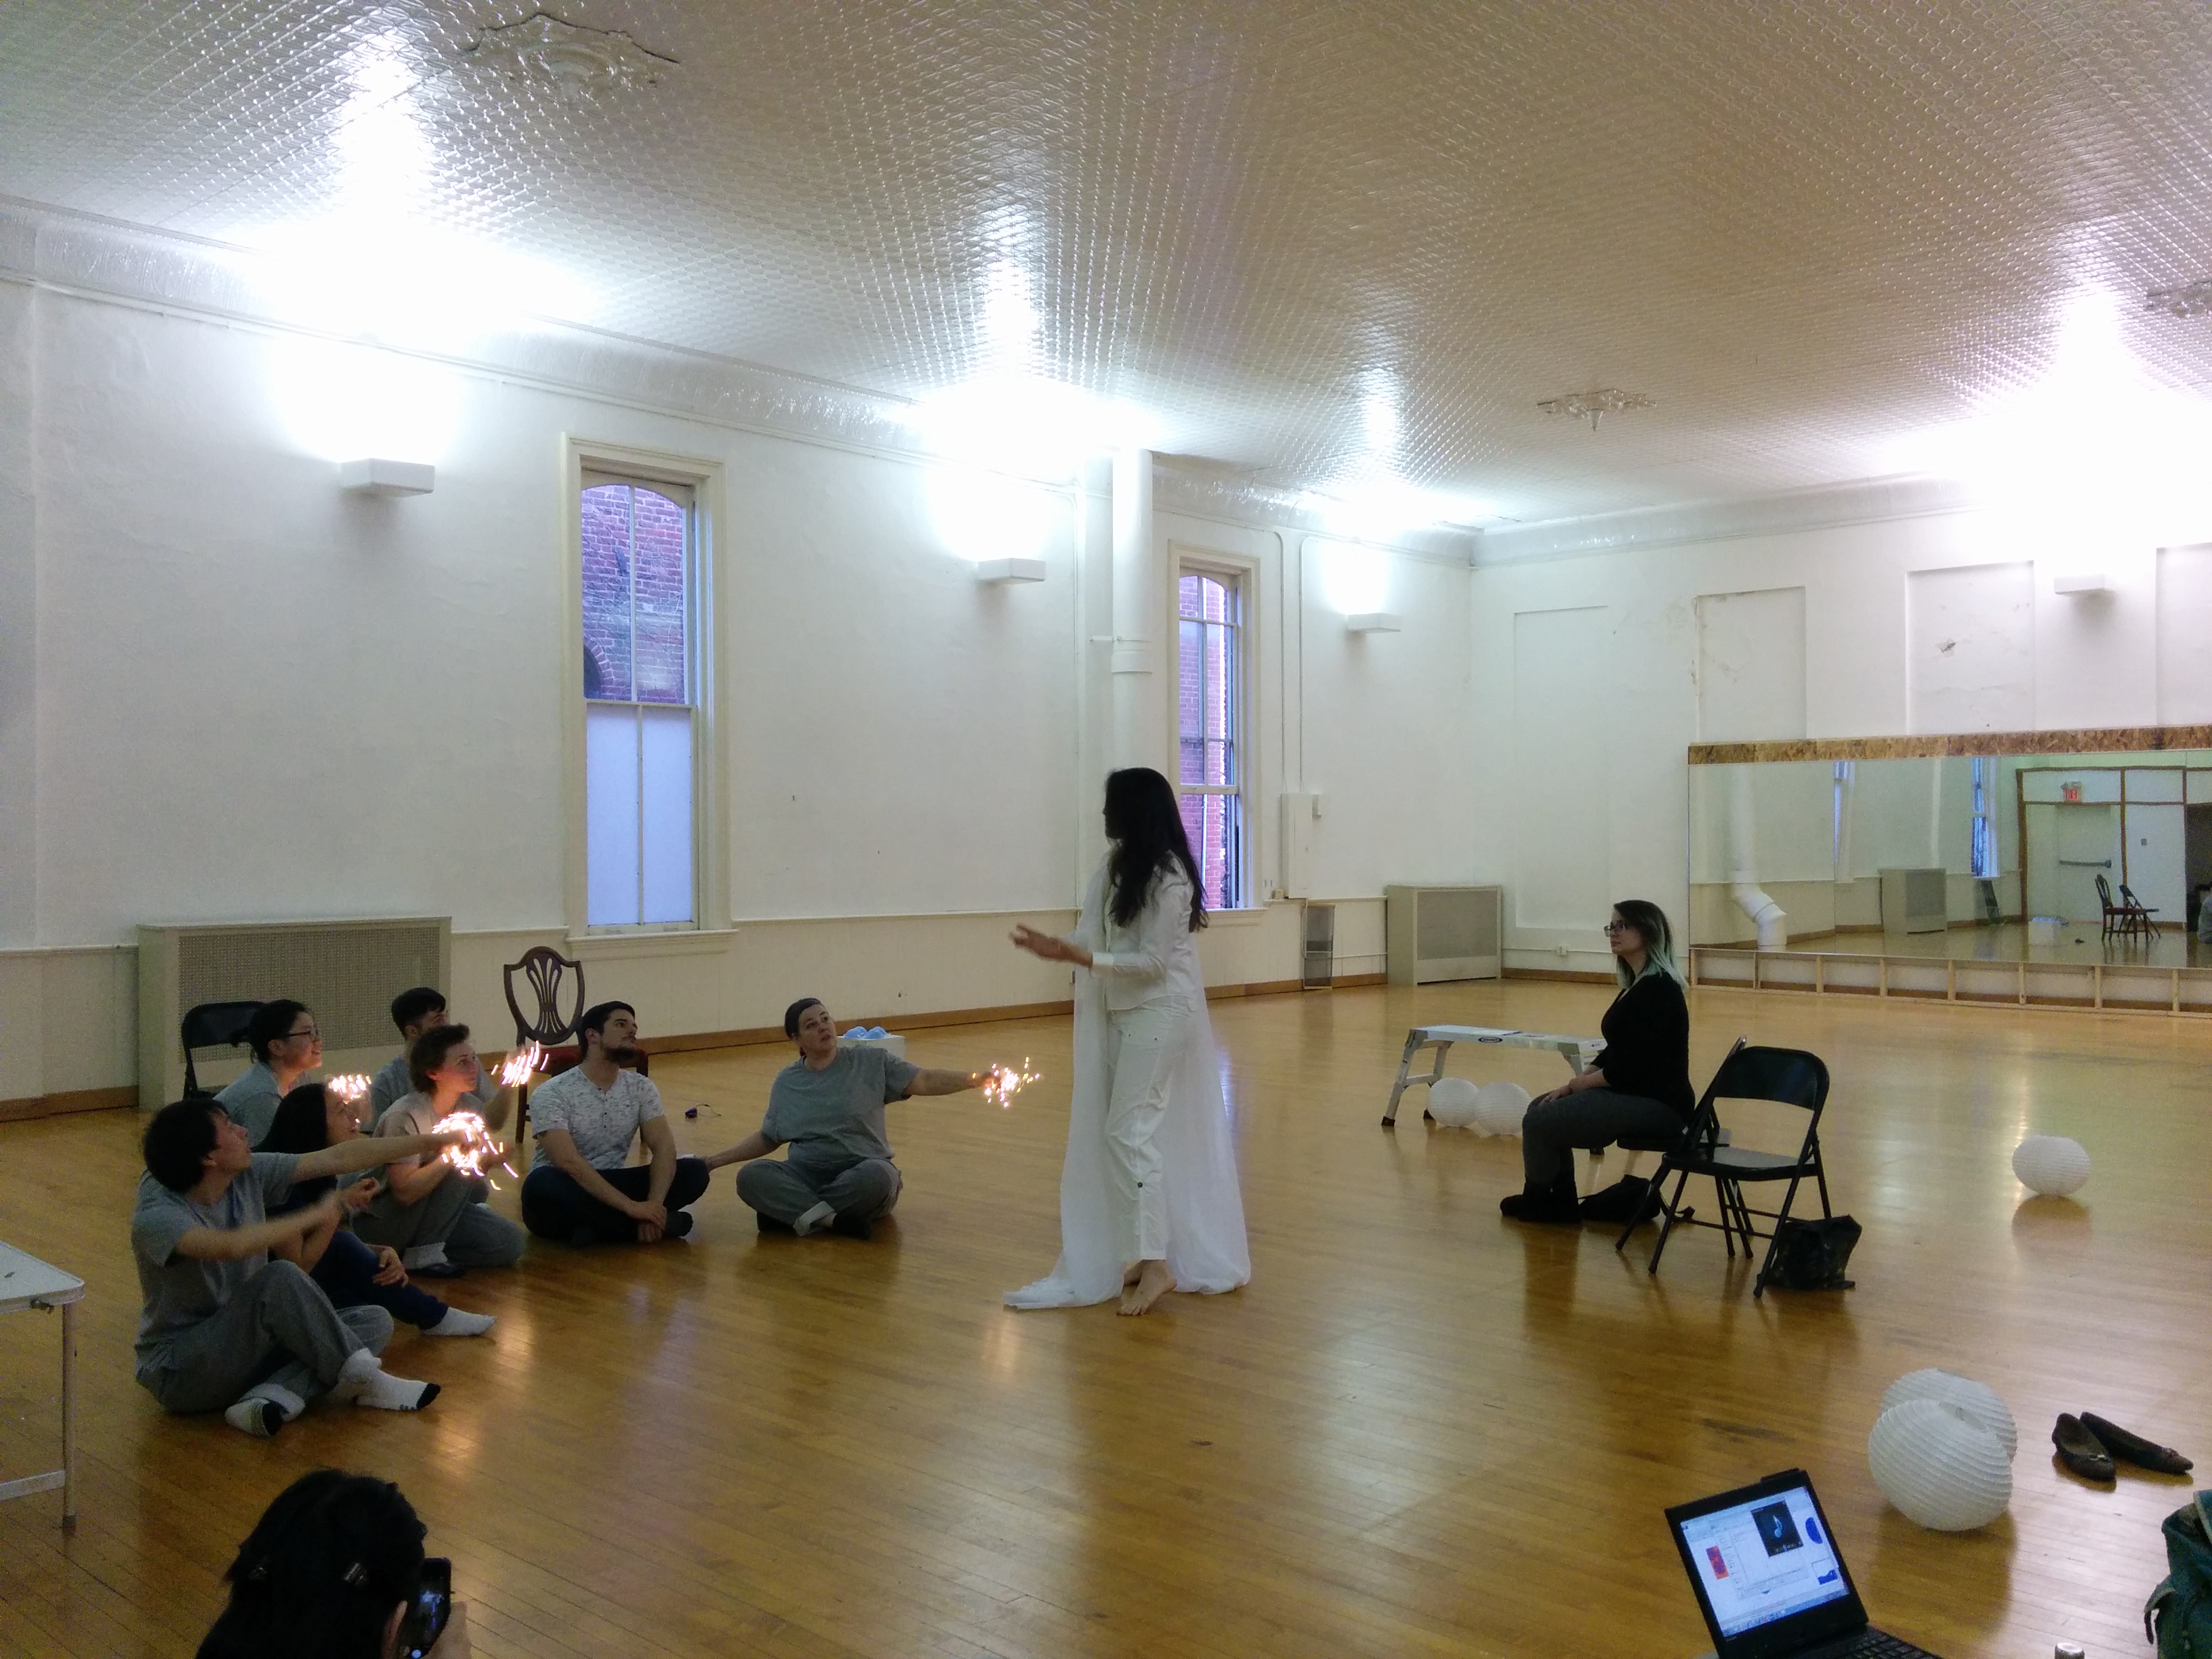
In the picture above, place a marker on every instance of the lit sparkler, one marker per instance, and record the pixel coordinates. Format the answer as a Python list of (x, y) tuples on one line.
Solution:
[(520, 1067), (469, 1156), (1004, 1083), (350, 1087)]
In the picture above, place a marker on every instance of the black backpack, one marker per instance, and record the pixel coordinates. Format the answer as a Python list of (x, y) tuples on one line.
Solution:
[(1811, 1256)]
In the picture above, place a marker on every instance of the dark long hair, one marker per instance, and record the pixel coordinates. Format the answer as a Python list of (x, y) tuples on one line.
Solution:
[(320, 1573), (300, 1126), (1650, 922), (1145, 824)]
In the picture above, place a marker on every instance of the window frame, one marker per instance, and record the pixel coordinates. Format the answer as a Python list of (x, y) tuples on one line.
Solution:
[(1243, 576), (705, 644)]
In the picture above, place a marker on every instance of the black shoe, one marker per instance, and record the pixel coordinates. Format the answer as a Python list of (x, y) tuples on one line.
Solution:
[(1554, 1206), (854, 1224), (2080, 1450), (679, 1224), (768, 1224), (438, 1270), (2133, 1447)]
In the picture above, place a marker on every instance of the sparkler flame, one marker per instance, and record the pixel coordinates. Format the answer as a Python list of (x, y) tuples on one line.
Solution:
[(519, 1067), (1005, 1082), (349, 1087), (469, 1156)]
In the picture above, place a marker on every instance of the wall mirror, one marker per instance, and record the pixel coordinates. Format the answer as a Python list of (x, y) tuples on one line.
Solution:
[(2084, 847)]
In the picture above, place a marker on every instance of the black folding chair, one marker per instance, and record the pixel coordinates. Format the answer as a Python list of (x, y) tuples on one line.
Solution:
[(1787, 1077), (212, 1025)]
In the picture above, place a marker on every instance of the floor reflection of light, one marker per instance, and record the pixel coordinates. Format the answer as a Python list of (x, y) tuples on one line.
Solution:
[(1002, 1346)]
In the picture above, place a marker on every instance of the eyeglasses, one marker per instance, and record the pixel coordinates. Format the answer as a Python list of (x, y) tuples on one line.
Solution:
[(1619, 927), (310, 1032)]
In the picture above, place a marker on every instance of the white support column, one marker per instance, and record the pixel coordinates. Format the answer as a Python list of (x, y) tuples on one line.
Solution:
[(1141, 665)]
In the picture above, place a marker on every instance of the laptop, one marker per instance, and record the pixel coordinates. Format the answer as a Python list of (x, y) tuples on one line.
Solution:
[(1770, 1579)]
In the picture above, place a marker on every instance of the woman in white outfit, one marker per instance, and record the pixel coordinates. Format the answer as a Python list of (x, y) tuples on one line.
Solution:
[(1148, 1201)]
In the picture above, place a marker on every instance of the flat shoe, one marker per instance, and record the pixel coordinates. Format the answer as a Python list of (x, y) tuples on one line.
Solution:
[(2133, 1447), (1549, 1209), (2080, 1450), (438, 1270)]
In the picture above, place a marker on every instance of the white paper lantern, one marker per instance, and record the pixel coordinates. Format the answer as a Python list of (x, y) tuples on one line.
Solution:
[(2052, 1166), (1939, 1469), (1499, 1107), (1452, 1101), (1962, 1396)]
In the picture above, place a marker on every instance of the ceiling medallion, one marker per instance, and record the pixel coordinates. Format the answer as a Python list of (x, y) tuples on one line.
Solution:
[(2189, 299), (576, 62), (1593, 405)]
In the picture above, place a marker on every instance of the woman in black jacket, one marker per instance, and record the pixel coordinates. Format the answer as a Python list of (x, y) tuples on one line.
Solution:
[(1640, 1085)]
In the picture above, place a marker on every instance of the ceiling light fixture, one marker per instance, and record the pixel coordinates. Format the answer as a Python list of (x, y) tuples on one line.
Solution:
[(1594, 404), (2188, 299), (576, 62)]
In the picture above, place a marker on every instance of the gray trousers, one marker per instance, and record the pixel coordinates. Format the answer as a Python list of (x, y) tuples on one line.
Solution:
[(785, 1191), (1591, 1118), (452, 1213), (282, 1333)]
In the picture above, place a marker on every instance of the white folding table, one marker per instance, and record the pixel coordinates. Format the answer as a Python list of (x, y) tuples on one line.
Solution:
[(28, 1282), (1578, 1052)]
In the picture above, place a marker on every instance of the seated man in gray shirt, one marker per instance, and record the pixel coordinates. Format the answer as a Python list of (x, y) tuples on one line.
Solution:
[(225, 1328), (828, 1106), (415, 1011)]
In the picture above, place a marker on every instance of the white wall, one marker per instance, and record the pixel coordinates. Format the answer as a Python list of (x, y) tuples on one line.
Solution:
[(1617, 753), (230, 691)]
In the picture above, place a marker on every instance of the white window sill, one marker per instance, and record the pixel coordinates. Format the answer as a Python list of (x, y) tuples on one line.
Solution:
[(675, 942), (1250, 917)]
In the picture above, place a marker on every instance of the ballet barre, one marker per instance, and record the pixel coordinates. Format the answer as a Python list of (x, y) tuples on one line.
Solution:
[(1578, 1052)]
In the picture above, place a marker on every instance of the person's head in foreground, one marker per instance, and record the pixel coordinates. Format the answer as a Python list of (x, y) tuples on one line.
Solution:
[(608, 1030), (416, 1011), (1642, 941), (191, 1139), (333, 1570), (1144, 821), (807, 1022)]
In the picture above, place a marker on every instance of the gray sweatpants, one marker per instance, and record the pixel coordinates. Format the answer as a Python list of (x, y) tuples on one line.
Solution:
[(785, 1191), (452, 1213), (282, 1334), (1591, 1118)]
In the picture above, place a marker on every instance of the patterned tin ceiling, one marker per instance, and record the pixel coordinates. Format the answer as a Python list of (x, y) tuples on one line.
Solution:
[(1321, 243)]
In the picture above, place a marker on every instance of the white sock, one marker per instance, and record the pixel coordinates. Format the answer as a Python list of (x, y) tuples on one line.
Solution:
[(425, 1255), (387, 1393), (814, 1220), (361, 1365), (457, 1324), (257, 1414)]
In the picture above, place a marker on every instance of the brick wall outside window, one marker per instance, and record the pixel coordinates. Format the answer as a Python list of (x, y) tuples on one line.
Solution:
[(634, 595)]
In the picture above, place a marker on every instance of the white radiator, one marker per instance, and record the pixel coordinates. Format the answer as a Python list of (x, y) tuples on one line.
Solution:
[(1914, 901), (1434, 933), (347, 971)]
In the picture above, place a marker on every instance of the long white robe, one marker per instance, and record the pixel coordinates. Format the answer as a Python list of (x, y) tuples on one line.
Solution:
[(1206, 1248)]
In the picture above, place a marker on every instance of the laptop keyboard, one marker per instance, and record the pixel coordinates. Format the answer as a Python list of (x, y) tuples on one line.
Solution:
[(1875, 1644)]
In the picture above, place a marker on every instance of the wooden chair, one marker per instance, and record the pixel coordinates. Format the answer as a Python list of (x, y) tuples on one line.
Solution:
[(545, 972)]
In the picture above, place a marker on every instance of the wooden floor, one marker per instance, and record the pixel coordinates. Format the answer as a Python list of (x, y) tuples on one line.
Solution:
[(1420, 1430)]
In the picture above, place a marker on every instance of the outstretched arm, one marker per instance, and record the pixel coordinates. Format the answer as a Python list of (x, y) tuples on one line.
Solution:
[(928, 1082), (236, 1244), (756, 1145), (366, 1152)]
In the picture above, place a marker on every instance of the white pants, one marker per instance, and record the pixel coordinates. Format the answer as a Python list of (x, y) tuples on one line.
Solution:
[(1145, 1047)]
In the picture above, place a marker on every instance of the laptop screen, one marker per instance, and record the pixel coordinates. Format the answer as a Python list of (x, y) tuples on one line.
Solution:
[(1765, 1558)]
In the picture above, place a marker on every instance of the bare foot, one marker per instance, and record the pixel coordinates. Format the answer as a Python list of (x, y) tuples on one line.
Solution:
[(1153, 1282)]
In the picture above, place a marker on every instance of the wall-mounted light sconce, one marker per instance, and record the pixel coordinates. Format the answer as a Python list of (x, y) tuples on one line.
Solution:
[(2095, 584), (1374, 621), (382, 477), (1000, 571)]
